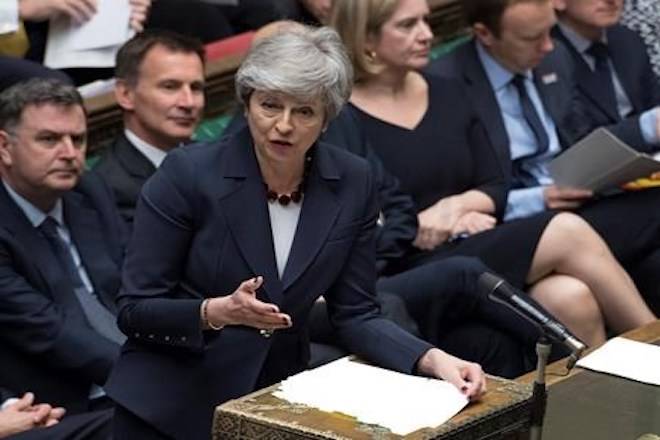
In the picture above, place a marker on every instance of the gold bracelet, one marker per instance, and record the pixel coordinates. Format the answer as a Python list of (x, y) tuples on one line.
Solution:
[(205, 316)]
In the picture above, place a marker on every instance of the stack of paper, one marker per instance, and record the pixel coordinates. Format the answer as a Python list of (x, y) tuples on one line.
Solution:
[(93, 43), (399, 402), (630, 359)]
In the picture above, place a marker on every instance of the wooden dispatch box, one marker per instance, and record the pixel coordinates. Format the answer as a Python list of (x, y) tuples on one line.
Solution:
[(503, 413)]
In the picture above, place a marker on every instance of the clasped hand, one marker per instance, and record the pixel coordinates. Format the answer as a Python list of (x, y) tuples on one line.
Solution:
[(23, 415), (447, 219), (243, 308)]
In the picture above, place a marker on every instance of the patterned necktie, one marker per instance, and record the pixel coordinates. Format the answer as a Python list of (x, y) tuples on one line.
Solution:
[(531, 116), (99, 317), (603, 76)]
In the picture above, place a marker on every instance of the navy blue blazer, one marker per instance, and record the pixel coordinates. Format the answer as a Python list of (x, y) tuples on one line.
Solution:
[(201, 228), (554, 82), (633, 68), (397, 226), (46, 344)]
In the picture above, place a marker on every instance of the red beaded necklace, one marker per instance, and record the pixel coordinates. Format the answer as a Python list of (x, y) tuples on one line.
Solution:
[(297, 195)]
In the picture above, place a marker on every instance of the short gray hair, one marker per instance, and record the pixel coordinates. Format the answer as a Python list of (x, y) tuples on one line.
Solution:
[(306, 63), (36, 91)]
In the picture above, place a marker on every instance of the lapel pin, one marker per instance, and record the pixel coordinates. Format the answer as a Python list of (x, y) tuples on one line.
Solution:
[(549, 78)]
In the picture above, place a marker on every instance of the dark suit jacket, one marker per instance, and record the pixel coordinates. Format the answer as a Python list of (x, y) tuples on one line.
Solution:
[(633, 68), (553, 78), (398, 220), (46, 343), (202, 227), (125, 170)]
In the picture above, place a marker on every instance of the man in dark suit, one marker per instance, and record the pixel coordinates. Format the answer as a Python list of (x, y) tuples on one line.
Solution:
[(612, 69), (60, 250), (24, 419), (160, 88), (523, 86)]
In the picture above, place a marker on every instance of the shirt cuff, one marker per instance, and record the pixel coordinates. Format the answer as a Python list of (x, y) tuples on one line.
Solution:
[(524, 202), (8, 402), (8, 16), (648, 123)]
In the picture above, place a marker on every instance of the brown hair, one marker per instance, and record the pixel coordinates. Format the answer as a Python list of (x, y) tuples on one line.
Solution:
[(490, 12), (355, 21), (132, 53)]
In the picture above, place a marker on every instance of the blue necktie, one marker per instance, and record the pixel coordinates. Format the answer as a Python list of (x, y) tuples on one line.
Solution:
[(603, 76), (99, 317), (531, 116)]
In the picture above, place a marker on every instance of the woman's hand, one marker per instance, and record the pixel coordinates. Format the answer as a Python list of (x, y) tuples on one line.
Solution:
[(139, 12), (436, 223), (39, 10), (473, 222), (243, 308), (22, 416), (468, 377)]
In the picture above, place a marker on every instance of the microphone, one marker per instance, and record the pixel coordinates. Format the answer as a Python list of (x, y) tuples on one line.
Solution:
[(502, 292)]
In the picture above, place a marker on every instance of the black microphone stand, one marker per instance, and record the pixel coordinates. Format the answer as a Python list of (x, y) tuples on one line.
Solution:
[(540, 394)]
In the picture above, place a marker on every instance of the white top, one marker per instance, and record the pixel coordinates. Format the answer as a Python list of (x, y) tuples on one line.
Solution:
[(155, 155), (8, 16), (283, 224)]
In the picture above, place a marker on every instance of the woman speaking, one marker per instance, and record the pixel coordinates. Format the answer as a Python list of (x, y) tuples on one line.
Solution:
[(234, 241)]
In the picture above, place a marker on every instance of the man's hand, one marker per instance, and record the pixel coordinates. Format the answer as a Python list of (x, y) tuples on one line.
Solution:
[(243, 308), (474, 222), (139, 12), (468, 377), (564, 197), (23, 415), (40, 10)]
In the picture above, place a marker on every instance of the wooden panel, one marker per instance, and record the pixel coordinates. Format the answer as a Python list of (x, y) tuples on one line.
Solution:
[(504, 413)]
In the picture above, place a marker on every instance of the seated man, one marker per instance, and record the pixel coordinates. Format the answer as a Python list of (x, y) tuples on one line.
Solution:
[(612, 69), (523, 86), (160, 89), (60, 250), (23, 419)]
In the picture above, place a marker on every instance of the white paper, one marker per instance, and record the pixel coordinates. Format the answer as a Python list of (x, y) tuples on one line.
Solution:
[(400, 402), (623, 357), (599, 162), (92, 44)]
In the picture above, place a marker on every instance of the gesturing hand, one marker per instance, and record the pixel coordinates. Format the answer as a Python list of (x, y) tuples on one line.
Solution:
[(243, 308)]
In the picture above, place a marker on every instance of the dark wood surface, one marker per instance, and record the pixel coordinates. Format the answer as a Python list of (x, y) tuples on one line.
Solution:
[(588, 405)]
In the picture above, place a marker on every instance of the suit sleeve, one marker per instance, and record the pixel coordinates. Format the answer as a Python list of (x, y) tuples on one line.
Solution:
[(489, 176), (353, 307), (154, 305), (397, 226), (33, 323)]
